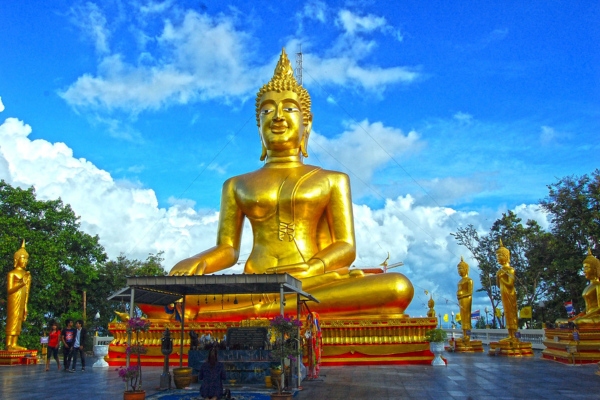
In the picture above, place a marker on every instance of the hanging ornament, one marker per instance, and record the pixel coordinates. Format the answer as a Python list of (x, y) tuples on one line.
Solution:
[(214, 298), (221, 302), (251, 300), (206, 299), (235, 300)]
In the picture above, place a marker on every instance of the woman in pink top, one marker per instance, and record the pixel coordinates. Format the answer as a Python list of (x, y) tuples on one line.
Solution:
[(53, 339)]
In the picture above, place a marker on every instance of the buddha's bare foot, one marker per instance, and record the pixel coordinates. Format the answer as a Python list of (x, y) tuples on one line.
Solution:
[(15, 348)]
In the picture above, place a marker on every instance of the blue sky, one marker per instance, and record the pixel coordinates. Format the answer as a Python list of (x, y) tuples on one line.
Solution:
[(479, 105)]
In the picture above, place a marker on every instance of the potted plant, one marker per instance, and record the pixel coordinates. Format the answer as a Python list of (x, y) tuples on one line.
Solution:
[(285, 348), (436, 338), (132, 375)]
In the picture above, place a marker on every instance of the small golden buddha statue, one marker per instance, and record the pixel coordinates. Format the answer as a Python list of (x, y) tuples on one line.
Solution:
[(302, 224), (431, 304), (18, 285), (591, 294), (505, 278), (464, 296)]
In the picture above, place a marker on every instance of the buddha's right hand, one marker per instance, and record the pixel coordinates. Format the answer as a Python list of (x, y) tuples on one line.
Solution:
[(189, 266)]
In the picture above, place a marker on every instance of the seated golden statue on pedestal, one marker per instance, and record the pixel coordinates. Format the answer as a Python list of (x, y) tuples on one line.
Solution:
[(591, 294), (18, 286), (302, 224)]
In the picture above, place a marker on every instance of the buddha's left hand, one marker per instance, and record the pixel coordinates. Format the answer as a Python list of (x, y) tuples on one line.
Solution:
[(300, 270)]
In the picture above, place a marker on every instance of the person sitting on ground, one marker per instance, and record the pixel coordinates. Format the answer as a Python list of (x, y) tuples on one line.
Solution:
[(53, 338), (212, 374), (80, 335), (68, 339)]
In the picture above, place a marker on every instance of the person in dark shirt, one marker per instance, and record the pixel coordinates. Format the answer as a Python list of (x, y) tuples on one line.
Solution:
[(80, 334), (68, 340), (212, 373)]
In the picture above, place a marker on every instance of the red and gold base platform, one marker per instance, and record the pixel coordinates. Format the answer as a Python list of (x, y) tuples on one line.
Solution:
[(460, 346), (25, 357), (345, 341), (513, 348), (561, 347)]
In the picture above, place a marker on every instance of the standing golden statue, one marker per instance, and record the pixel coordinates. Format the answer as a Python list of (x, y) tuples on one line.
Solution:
[(464, 296), (505, 279), (431, 304), (18, 286), (302, 224)]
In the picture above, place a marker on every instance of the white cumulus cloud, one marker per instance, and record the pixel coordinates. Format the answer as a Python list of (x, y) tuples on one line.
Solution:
[(128, 216)]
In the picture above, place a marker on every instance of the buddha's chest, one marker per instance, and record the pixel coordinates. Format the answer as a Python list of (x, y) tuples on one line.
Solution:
[(300, 194), (590, 294)]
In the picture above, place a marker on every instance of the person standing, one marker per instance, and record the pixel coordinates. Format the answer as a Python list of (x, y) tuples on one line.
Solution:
[(68, 340), (80, 335), (53, 338)]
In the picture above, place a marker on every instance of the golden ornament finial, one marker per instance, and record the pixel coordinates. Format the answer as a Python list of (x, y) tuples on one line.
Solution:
[(501, 245), (589, 251), (284, 67)]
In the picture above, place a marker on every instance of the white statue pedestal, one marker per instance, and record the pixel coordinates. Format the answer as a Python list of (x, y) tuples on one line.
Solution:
[(100, 351)]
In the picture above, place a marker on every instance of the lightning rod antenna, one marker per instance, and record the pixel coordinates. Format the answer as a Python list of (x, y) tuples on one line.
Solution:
[(299, 64)]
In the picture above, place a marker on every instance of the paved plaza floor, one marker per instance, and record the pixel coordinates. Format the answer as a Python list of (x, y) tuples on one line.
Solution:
[(475, 376)]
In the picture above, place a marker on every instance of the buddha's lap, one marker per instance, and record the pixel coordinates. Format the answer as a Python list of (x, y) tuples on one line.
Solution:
[(376, 294)]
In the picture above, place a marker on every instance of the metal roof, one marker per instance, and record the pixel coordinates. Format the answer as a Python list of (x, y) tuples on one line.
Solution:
[(164, 290)]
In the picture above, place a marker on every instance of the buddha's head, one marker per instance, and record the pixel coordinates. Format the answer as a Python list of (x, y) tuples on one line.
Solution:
[(503, 254), (21, 257), (431, 303), (591, 266), (463, 268), (283, 112)]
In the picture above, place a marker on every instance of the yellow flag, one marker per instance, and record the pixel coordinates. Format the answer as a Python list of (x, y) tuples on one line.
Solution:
[(458, 317), (445, 317), (498, 313), (525, 312)]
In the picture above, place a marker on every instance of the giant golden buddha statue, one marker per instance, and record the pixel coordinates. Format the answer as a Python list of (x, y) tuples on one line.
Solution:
[(18, 284), (302, 224)]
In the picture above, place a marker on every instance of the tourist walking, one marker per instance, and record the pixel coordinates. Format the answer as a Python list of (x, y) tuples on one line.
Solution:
[(212, 374), (53, 338), (78, 345), (68, 340)]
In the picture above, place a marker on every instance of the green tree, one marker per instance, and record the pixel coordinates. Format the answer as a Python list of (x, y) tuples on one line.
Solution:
[(574, 205), (62, 259), (111, 277)]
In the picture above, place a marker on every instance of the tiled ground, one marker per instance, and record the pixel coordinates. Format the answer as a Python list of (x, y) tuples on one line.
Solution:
[(475, 376)]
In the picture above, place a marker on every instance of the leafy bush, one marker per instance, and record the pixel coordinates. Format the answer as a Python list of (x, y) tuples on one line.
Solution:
[(436, 335)]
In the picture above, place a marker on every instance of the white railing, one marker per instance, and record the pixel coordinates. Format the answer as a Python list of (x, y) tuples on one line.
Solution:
[(102, 340), (534, 336)]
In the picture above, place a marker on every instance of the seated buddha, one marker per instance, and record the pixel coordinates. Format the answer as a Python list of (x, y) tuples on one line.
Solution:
[(591, 294), (302, 224)]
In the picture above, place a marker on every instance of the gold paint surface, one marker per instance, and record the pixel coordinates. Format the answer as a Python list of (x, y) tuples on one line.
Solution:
[(302, 223), (18, 287)]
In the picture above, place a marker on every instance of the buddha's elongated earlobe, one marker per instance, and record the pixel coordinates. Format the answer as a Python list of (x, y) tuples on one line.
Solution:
[(305, 136), (264, 150)]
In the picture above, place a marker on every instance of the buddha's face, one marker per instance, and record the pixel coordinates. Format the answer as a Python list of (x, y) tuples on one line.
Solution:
[(462, 271), (21, 261), (502, 259), (281, 124), (590, 272)]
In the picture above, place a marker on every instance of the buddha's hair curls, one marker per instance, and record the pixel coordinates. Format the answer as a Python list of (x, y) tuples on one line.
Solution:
[(283, 79)]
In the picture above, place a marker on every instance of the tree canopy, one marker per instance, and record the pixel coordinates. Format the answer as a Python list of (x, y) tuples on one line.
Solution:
[(547, 265), (63, 261)]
